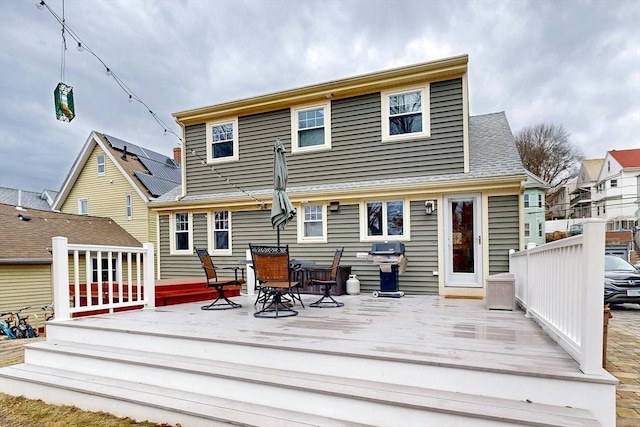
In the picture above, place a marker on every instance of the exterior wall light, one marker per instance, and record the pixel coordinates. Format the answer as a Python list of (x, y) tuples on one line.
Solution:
[(429, 206)]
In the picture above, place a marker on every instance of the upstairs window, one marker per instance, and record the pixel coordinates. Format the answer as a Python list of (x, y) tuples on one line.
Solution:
[(405, 114), (221, 233), (104, 269), (222, 141), (526, 200), (527, 230), (614, 183), (540, 230), (312, 224), (388, 220), (83, 206), (539, 200), (311, 128), (101, 165), (129, 207)]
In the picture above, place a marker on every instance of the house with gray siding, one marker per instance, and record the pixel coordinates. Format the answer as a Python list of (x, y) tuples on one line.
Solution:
[(365, 156)]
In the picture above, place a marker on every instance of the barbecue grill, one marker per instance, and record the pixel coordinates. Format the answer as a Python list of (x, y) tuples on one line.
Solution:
[(390, 258)]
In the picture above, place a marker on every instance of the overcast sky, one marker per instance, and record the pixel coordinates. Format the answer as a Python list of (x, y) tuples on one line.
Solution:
[(570, 63)]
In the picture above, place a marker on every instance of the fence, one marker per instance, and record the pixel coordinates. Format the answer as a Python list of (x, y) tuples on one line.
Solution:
[(560, 284), (103, 289)]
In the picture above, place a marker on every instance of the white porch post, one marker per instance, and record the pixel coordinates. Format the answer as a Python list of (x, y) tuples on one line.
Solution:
[(592, 303), (251, 277), (60, 273), (149, 277)]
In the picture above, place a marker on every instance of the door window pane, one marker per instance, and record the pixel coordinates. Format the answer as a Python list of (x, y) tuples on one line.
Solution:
[(462, 236)]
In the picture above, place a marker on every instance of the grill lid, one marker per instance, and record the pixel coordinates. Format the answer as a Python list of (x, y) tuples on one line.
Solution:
[(387, 248)]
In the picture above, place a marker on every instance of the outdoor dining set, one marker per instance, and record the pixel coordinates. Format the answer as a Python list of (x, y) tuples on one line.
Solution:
[(278, 279)]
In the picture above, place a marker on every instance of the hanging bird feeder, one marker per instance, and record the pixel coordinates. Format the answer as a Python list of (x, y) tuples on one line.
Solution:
[(63, 96)]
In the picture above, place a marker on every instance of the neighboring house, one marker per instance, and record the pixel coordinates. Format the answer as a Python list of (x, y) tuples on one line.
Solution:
[(534, 209), (116, 179), (365, 155), (617, 196), (25, 257), (559, 201), (581, 202), (28, 199)]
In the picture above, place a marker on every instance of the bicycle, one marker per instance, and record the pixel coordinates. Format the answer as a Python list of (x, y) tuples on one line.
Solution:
[(5, 327), (48, 309), (23, 328)]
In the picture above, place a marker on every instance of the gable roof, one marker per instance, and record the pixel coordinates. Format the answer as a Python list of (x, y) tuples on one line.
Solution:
[(534, 181), (27, 241), (27, 199), (150, 173), (492, 155), (590, 168), (626, 158)]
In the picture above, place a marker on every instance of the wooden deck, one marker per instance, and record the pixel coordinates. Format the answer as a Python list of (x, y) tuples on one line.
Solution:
[(438, 361)]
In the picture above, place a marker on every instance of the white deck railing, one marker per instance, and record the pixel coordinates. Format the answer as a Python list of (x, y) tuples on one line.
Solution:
[(561, 284), (72, 295)]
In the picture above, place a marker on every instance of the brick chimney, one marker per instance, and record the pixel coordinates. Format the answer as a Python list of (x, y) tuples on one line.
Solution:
[(177, 154)]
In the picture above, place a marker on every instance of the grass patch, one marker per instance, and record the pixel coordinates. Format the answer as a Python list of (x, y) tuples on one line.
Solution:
[(22, 412)]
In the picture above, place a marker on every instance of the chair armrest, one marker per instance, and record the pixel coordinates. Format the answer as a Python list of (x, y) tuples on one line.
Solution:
[(234, 269)]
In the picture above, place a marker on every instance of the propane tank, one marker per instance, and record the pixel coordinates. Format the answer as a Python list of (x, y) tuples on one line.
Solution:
[(353, 285)]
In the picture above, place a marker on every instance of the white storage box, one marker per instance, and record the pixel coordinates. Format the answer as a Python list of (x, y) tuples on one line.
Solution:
[(501, 292)]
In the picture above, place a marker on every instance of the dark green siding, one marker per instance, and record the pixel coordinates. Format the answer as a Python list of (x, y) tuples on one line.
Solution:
[(504, 233), (356, 146)]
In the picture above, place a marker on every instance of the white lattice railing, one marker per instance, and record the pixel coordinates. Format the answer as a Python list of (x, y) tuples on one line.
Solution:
[(81, 285), (561, 284)]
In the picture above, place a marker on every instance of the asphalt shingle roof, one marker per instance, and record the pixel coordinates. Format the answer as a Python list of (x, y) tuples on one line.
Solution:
[(25, 240), (27, 199)]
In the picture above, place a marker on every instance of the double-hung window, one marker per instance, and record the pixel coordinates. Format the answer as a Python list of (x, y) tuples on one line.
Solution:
[(387, 220), (83, 206), (312, 224), (526, 200), (104, 269), (540, 230), (129, 207), (614, 183), (181, 233), (220, 233), (311, 128), (539, 200), (222, 141), (527, 230), (102, 168), (406, 114)]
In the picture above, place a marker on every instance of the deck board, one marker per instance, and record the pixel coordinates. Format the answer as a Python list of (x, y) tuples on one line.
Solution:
[(419, 329)]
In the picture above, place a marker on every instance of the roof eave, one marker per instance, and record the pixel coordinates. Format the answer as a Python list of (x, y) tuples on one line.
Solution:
[(353, 86)]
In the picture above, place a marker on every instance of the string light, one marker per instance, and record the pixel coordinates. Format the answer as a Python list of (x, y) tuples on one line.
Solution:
[(82, 46), (262, 204)]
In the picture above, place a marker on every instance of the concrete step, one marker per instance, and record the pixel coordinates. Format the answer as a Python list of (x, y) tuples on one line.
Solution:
[(352, 400)]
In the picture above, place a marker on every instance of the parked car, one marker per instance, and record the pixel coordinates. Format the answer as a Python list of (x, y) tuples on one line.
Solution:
[(621, 281)]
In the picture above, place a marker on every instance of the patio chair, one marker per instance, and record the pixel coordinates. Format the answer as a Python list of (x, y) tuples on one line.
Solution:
[(326, 277), (273, 276), (219, 283)]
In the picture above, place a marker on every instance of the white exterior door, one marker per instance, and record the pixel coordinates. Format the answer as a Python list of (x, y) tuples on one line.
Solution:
[(463, 241)]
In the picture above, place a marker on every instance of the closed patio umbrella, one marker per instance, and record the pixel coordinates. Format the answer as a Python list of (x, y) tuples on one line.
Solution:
[(282, 211)]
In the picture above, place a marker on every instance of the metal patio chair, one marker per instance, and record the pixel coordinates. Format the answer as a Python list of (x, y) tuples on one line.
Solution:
[(274, 280), (219, 283), (327, 278)]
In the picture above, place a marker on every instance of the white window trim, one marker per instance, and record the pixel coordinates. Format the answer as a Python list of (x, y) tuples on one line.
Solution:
[(172, 235), (300, 220), (327, 128), (406, 209), (526, 201), (527, 230), (80, 200), (114, 263), (426, 114), (211, 235), (129, 207), (209, 136), (104, 164)]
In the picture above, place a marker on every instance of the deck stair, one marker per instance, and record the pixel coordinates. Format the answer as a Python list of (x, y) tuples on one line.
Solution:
[(195, 378)]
